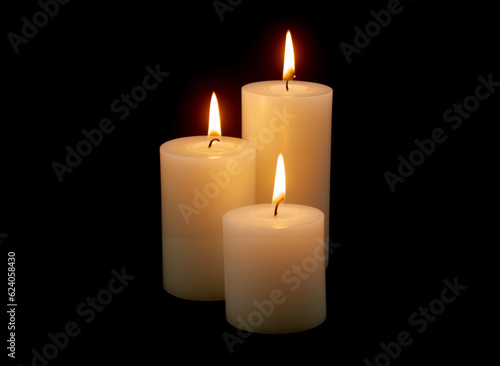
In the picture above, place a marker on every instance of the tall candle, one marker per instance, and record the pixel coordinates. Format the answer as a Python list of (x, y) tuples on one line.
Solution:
[(274, 267), (198, 184), (295, 122)]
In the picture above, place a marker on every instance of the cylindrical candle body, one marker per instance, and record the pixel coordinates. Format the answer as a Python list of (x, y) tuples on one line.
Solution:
[(296, 123), (198, 185), (274, 268)]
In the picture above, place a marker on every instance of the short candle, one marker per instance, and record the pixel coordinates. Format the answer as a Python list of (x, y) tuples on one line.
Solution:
[(274, 267)]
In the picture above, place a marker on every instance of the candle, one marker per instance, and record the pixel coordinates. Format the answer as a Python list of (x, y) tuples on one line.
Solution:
[(294, 118), (201, 178), (273, 263)]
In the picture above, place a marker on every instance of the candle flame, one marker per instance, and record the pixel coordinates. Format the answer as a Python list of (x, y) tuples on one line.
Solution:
[(214, 118), (289, 64), (279, 180)]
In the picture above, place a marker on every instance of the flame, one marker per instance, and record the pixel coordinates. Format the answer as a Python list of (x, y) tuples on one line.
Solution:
[(289, 64), (279, 180), (214, 119)]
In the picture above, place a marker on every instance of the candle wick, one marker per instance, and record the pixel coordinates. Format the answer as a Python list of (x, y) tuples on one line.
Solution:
[(276, 208), (211, 142), (291, 78)]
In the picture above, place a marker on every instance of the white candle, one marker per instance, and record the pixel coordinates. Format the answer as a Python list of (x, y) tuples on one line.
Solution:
[(274, 268), (198, 185), (295, 122)]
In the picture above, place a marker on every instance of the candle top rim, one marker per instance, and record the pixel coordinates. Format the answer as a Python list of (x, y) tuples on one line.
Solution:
[(196, 147), (290, 215), (296, 89)]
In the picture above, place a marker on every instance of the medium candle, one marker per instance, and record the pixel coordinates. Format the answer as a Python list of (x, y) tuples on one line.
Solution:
[(274, 267), (198, 185), (296, 122)]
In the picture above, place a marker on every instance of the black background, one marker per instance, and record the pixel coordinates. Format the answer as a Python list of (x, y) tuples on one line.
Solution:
[(396, 248)]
